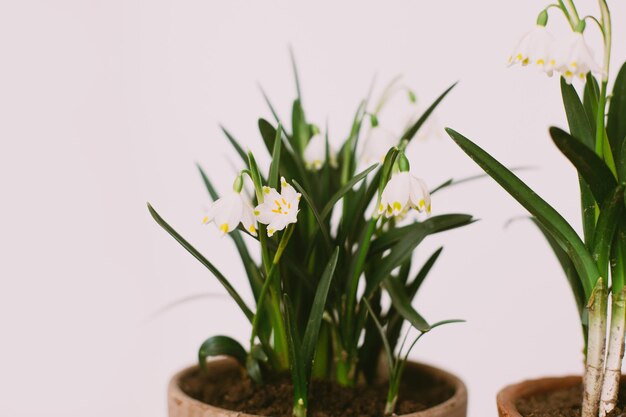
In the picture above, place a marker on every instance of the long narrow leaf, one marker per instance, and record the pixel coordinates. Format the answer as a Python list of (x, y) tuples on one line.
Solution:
[(344, 189), (616, 122), (402, 304), (316, 214), (410, 133), (554, 223), (235, 144), (221, 278), (311, 333), (298, 377), (272, 178), (435, 224), (406, 244), (577, 118), (610, 213), (587, 163)]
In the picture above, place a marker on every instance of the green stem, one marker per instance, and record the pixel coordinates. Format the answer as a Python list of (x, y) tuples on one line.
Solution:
[(572, 14), (272, 286)]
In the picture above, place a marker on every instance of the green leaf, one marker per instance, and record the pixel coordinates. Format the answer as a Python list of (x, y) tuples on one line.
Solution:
[(402, 303), (610, 212), (300, 136), (235, 144), (295, 73), (386, 170), (343, 190), (414, 286), (298, 377), (221, 346), (590, 100), (431, 225), (311, 333), (402, 245), (616, 122), (554, 223), (316, 214), (576, 116), (272, 178), (593, 170), (221, 278), (271, 107), (410, 133)]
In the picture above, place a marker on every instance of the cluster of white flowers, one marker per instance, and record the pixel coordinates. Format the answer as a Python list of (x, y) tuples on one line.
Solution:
[(277, 210), (572, 58)]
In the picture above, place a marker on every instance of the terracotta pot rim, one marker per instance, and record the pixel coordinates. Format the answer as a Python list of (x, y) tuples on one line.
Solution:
[(508, 396), (459, 396)]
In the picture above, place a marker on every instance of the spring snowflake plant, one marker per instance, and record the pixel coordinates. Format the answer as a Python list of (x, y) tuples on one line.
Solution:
[(595, 264), (318, 288)]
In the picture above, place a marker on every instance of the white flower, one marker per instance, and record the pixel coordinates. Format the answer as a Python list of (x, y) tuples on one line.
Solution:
[(230, 210), (402, 192), (377, 144), (536, 47), (315, 153), (278, 209), (576, 59)]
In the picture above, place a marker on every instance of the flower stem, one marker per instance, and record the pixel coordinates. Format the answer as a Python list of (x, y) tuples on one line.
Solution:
[(594, 367), (612, 373)]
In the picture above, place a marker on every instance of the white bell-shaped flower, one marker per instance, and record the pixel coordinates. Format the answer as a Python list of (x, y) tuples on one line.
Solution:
[(315, 153), (402, 192), (536, 47), (376, 145), (576, 59), (230, 210), (278, 209)]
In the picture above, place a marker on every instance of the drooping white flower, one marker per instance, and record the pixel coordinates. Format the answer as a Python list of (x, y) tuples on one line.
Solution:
[(315, 153), (536, 47), (230, 210), (402, 192), (376, 145), (278, 209), (576, 59)]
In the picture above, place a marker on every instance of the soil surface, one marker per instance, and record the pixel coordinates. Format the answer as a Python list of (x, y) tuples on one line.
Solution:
[(563, 403), (233, 391)]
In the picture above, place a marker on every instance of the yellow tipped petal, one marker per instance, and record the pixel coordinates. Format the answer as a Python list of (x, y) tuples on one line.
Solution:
[(397, 206), (270, 232), (266, 190), (252, 229), (205, 220), (224, 227)]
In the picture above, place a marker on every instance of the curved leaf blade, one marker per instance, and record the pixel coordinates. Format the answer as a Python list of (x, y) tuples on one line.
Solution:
[(402, 304), (616, 122), (221, 346), (593, 170), (410, 132), (554, 223), (196, 254), (311, 333)]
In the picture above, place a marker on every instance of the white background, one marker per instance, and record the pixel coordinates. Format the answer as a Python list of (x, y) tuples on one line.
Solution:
[(106, 105)]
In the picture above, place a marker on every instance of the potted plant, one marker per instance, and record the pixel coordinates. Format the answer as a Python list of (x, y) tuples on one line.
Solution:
[(594, 264), (320, 322)]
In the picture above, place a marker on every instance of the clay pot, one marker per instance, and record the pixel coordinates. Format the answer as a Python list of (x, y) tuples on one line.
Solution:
[(182, 405), (507, 398)]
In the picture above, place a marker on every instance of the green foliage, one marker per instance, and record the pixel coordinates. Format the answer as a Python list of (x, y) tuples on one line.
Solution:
[(305, 288)]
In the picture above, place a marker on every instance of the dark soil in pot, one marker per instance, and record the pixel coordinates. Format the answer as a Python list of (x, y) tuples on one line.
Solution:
[(564, 402), (235, 392)]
